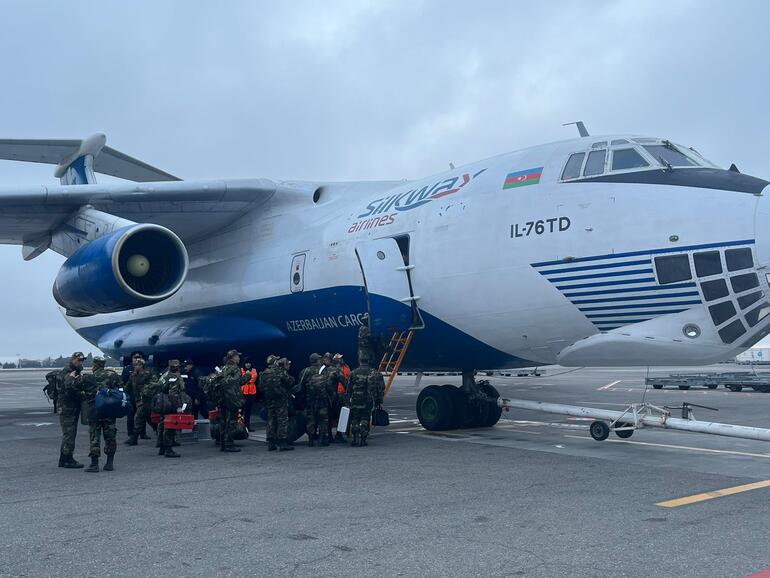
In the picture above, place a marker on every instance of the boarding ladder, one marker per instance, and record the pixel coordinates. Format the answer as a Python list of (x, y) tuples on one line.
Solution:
[(394, 356)]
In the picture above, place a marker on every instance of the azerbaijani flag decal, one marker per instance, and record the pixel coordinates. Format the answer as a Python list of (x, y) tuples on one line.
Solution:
[(523, 178)]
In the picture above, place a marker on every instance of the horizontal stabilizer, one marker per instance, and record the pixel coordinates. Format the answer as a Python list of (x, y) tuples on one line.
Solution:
[(67, 153)]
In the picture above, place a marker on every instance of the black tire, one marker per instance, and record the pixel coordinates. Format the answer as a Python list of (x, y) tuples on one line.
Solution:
[(684, 387), (624, 434), (761, 388), (495, 411), (599, 430), (734, 387), (711, 385), (657, 386), (297, 426), (460, 415), (435, 408)]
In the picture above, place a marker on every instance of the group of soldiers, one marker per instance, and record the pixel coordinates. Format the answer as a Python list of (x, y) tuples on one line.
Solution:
[(326, 386)]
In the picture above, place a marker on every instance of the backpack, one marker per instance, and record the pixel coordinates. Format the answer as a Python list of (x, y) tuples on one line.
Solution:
[(211, 385), (51, 388), (112, 403)]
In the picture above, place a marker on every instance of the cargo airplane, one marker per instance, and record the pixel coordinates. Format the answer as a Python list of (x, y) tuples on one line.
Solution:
[(604, 251)]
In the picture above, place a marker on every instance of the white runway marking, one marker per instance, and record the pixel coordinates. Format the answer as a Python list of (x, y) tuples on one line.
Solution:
[(609, 385), (675, 447)]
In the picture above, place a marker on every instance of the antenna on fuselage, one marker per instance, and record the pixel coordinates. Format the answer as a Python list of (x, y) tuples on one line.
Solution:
[(452, 166), (580, 126)]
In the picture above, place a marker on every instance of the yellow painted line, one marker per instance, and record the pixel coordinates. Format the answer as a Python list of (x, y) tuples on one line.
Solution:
[(715, 494), (675, 447)]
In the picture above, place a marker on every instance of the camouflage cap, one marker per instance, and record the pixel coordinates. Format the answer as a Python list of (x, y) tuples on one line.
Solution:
[(327, 355), (271, 359), (99, 359), (173, 363), (232, 353), (78, 355), (337, 356), (314, 358), (284, 361)]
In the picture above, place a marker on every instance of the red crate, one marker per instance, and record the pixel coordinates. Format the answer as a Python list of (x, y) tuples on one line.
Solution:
[(214, 414), (179, 421), (155, 418)]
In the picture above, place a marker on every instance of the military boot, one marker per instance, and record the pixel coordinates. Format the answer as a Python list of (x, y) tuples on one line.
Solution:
[(325, 440), (132, 440), (339, 438), (143, 435), (285, 447), (94, 467), (364, 443), (162, 450), (355, 441), (271, 447), (230, 448), (170, 453), (310, 440), (108, 467), (61, 459), (70, 462)]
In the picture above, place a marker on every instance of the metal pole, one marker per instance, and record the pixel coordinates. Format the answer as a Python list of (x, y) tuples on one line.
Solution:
[(663, 421)]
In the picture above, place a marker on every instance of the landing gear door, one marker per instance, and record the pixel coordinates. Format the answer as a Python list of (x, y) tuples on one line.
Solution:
[(387, 286)]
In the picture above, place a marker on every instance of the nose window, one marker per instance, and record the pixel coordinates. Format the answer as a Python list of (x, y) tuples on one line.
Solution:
[(673, 268), (707, 263), (745, 282), (721, 312), (714, 289), (730, 333), (738, 259)]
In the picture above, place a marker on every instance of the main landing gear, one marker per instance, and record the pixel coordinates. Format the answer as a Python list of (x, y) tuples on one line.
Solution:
[(446, 407)]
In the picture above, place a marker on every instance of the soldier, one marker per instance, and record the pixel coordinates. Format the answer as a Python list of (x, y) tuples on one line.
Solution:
[(129, 391), (276, 384), (69, 408), (365, 345), (141, 379), (305, 378), (365, 391), (172, 384), (333, 375), (320, 381), (99, 379), (232, 399), (344, 370)]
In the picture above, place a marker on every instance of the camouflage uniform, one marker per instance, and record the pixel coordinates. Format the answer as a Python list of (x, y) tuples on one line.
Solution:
[(232, 401), (366, 388), (144, 387), (100, 378), (69, 410), (172, 384), (276, 384), (321, 387), (365, 345)]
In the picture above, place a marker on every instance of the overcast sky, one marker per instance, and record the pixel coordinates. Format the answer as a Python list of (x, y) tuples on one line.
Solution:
[(357, 90)]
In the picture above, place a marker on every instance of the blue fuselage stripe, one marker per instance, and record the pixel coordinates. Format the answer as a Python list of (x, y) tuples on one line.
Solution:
[(636, 298), (594, 267), (640, 305), (632, 290), (608, 283), (602, 275)]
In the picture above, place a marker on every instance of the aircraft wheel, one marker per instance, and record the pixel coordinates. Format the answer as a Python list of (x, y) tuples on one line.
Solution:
[(435, 408), (460, 415), (684, 387), (495, 411), (599, 430), (657, 386), (734, 386), (624, 434)]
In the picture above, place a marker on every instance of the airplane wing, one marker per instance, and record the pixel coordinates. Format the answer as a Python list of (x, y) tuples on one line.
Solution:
[(192, 209)]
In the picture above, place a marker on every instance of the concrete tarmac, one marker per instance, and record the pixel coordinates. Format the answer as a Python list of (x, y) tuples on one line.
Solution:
[(534, 496)]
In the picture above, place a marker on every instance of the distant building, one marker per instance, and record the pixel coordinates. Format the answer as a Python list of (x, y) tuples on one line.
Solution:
[(754, 355)]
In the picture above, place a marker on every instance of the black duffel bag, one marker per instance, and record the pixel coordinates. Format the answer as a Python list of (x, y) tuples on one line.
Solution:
[(380, 417)]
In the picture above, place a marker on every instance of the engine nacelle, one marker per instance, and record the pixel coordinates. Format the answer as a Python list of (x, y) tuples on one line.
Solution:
[(130, 268)]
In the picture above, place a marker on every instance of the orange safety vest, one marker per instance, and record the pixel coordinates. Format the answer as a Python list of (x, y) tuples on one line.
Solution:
[(250, 388), (346, 375)]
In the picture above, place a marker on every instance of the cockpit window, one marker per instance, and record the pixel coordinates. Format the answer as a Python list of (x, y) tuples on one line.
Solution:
[(670, 155), (572, 170), (595, 163), (627, 159)]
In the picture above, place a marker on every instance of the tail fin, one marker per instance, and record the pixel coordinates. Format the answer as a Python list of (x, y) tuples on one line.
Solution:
[(78, 160)]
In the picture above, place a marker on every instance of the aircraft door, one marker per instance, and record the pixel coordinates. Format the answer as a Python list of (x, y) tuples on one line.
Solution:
[(392, 306), (297, 279)]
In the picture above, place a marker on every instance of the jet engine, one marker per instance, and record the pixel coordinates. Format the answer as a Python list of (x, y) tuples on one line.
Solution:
[(132, 267)]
